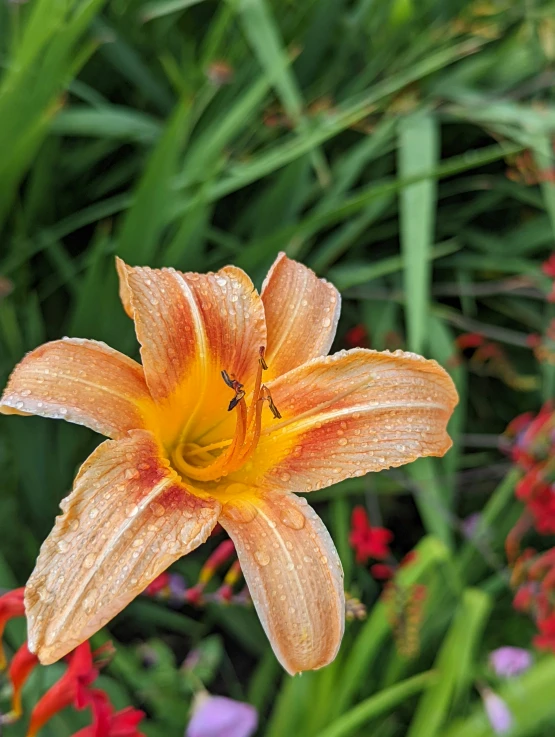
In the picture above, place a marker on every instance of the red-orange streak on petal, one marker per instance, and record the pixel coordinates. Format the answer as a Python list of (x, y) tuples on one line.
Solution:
[(294, 576), (127, 519), (21, 666), (351, 413), (83, 381), (301, 315)]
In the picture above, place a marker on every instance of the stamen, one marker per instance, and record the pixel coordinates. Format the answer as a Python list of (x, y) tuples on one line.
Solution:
[(247, 431), (268, 398)]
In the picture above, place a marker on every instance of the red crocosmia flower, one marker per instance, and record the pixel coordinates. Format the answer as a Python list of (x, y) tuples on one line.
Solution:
[(160, 583), (548, 267), (124, 723), (382, 572), (469, 340), (21, 667), (524, 597), (368, 541), (357, 336), (546, 639), (11, 605), (72, 688)]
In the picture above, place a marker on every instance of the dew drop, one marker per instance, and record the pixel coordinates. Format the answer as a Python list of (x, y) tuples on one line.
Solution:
[(326, 322), (262, 558), (93, 513), (293, 518), (158, 510), (63, 546), (342, 441), (241, 512), (89, 560), (131, 510)]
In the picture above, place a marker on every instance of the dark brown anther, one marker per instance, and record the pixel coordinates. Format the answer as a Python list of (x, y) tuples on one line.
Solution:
[(236, 399), (261, 359), (268, 397)]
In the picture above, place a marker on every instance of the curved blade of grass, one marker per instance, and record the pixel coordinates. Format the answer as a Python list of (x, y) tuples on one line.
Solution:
[(378, 704), (264, 37), (430, 553), (453, 665)]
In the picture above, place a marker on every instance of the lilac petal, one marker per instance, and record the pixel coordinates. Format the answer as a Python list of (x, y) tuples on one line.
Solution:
[(498, 712), (217, 716), (510, 661)]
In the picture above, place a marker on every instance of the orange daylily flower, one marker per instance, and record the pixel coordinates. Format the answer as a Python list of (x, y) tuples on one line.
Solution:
[(235, 407)]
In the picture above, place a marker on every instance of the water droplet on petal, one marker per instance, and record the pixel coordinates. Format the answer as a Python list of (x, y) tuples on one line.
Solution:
[(293, 518), (241, 512), (262, 558), (158, 510), (89, 560), (131, 510)]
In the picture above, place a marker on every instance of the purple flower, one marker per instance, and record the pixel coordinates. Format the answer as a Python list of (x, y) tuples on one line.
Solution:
[(498, 712), (470, 525), (217, 716), (510, 661)]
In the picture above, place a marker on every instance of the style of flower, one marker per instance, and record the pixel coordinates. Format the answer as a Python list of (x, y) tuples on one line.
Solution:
[(197, 437), (510, 661), (217, 716), (11, 605), (367, 541)]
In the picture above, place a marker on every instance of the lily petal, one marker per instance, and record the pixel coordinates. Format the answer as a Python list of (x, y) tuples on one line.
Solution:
[(294, 576), (301, 315), (127, 519), (83, 381), (351, 413), (191, 326)]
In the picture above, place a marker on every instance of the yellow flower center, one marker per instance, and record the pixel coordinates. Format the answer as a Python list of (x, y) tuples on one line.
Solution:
[(199, 462)]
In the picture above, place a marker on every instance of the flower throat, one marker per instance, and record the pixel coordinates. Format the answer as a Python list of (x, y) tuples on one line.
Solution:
[(188, 458)]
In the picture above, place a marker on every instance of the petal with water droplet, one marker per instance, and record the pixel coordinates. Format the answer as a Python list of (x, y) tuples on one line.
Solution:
[(83, 381), (190, 329), (114, 550), (353, 412), (301, 315), (294, 577)]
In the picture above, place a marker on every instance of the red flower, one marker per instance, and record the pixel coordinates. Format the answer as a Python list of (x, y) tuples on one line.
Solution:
[(548, 267), (21, 666), (368, 541), (469, 340), (357, 336), (11, 605), (160, 583), (109, 724), (382, 572), (72, 688), (546, 639)]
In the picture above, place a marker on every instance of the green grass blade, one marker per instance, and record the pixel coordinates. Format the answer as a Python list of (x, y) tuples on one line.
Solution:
[(453, 665), (418, 153)]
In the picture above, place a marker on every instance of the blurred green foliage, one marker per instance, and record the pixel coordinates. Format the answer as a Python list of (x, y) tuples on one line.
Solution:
[(369, 139)]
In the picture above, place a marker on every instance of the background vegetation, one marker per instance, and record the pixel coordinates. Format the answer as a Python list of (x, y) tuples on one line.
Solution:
[(404, 150)]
